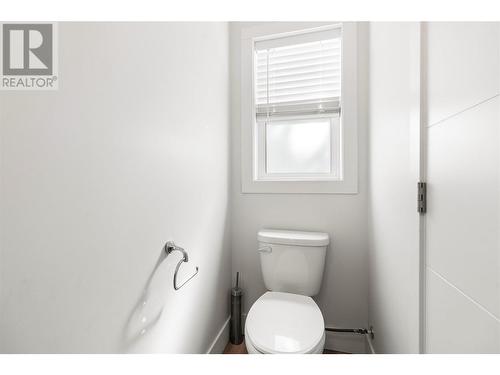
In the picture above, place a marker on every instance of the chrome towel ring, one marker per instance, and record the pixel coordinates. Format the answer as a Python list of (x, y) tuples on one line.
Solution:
[(170, 246)]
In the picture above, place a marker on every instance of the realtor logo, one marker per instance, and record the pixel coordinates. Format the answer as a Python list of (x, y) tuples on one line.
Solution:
[(29, 59)]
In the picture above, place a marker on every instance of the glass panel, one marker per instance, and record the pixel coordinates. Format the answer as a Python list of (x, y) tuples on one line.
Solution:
[(298, 146)]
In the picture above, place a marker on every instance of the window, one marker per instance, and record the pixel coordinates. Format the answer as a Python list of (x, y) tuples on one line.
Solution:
[(299, 126), (297, 93)]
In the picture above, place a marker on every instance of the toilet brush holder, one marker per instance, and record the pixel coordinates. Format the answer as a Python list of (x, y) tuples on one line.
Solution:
[(235, 332)]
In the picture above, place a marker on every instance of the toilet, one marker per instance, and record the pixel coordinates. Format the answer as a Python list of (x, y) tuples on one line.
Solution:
[(286, 320)]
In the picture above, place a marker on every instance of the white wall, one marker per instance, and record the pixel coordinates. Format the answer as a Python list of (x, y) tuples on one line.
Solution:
[(343, 297), (394, 251), (463, 249), (130, 152)]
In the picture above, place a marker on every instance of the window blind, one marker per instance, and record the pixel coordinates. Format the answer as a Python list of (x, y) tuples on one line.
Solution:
[(298, 75)]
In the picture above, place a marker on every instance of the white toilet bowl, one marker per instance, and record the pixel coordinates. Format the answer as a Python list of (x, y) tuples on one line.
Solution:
[(284, 323)]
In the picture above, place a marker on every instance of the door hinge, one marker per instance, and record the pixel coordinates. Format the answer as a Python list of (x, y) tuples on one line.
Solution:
[(421, 197)]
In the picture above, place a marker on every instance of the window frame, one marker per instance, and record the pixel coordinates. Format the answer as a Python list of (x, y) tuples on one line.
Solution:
[(252, 178)]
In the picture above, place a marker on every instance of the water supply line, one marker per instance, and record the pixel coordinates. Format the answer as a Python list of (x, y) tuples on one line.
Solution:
[(368, 333)]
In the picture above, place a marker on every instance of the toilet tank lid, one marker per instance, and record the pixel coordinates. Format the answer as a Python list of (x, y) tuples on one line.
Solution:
[(292, 237)]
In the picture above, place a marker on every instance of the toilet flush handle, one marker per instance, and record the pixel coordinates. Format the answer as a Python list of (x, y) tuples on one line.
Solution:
[(265, 249)]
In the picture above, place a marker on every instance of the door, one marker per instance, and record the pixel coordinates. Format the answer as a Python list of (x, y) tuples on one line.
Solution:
[(461, 265)]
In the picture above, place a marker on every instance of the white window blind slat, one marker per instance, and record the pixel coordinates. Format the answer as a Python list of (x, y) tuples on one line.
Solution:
[(282, 97), (297, 87), (298, 76), (262, 58), (274, 67)]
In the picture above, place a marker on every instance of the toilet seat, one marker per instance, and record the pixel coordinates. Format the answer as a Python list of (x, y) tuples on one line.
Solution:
[(252, 350), (285, 323)]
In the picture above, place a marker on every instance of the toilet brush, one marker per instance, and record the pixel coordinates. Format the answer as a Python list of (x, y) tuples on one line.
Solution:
[(235, 335)]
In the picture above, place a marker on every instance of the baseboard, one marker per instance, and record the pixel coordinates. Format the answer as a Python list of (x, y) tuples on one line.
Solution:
[(221, 340), (346, 342)]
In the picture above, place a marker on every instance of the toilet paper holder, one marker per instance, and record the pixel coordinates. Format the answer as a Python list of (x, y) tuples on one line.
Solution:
[(170, 247)]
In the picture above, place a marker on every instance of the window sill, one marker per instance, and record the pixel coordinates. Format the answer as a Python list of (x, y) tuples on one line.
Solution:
[(299, 187)]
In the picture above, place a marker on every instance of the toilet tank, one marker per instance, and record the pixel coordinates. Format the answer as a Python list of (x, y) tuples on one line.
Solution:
[(292, 261)]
